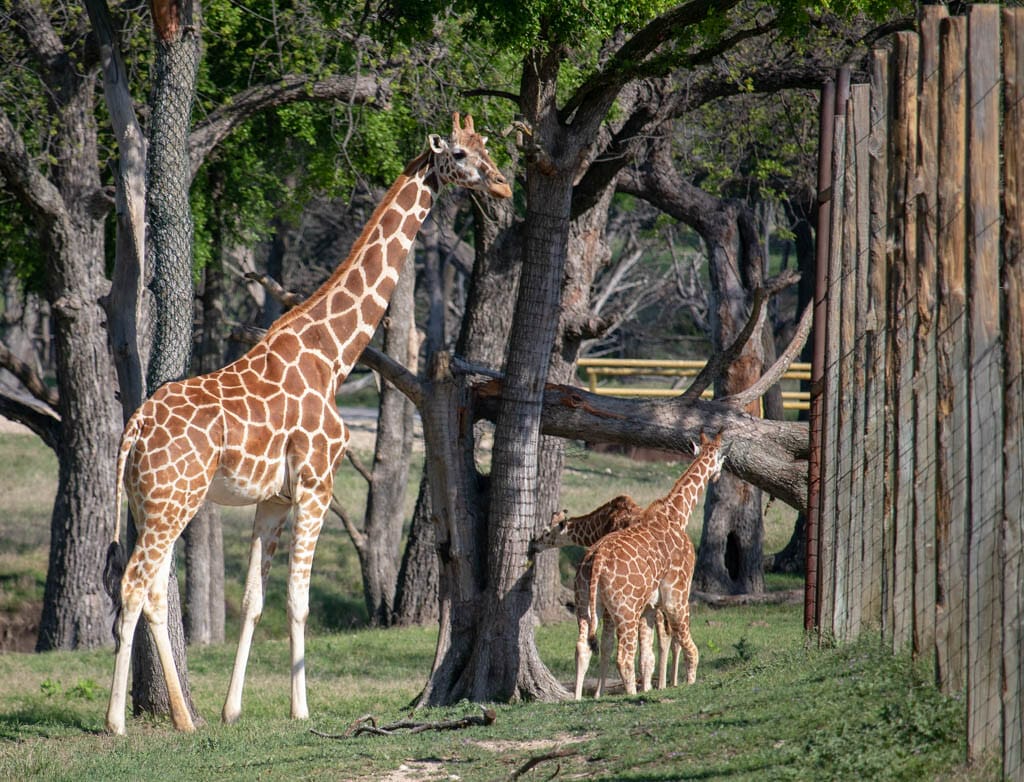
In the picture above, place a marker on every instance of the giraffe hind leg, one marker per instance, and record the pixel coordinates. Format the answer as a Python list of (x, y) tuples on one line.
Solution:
[(155, 611)]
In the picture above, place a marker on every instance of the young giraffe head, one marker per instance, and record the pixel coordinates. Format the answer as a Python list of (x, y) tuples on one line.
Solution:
[(463, 160), (718, 453)]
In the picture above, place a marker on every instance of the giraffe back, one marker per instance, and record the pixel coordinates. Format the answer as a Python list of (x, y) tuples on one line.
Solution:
[(618, 513)]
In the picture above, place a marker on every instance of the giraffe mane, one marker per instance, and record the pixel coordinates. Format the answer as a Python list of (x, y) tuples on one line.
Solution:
[(413, 167)]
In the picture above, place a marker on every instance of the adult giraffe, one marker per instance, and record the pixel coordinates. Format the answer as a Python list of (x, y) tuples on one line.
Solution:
[(265, 430)]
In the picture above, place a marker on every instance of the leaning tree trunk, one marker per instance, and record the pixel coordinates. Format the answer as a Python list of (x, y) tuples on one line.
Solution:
[(170, 236)]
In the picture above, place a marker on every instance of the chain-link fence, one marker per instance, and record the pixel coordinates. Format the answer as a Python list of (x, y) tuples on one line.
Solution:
[(920, 399)]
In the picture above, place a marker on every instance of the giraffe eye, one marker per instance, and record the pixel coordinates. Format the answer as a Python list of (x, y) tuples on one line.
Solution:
[(458, 153)]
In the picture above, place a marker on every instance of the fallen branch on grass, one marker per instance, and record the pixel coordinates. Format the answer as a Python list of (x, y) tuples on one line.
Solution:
[(368, 724), (536, 761)]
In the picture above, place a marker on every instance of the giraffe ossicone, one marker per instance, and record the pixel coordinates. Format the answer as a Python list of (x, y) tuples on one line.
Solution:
[(265, 430)]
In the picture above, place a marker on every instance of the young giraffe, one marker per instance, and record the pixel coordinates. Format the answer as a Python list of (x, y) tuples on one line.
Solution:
[(628, 572), (586, 530), (265, 430)]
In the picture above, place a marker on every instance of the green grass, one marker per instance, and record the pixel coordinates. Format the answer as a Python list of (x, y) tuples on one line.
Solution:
[(766, 705)]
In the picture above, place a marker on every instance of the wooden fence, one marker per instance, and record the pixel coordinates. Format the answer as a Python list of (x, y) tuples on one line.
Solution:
[(919, 399)]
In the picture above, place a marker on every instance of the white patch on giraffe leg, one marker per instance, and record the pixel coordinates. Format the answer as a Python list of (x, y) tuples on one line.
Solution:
[(130, 612)]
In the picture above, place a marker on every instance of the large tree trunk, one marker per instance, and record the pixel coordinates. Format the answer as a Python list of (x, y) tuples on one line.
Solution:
[(170, 234), (482, 340), (76, 609), (75, 613)]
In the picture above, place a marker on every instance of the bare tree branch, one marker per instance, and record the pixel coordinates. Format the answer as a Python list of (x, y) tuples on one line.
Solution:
[(719, 361), (28, 377), (44, 423), (778, 369), (288, 89)]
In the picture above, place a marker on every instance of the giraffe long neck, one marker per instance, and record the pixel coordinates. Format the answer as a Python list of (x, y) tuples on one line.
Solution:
[(684, 494), (348, 307)]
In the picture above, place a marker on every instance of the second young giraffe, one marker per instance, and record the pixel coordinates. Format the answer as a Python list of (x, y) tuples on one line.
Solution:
[(265, 430), (626, 573), (620, 513)]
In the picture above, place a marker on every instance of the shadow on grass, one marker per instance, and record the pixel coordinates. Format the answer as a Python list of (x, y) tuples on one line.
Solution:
[(44, 720)]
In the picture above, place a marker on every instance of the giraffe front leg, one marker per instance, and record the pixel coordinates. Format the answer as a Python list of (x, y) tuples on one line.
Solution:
[(307, 530), (266, 532)]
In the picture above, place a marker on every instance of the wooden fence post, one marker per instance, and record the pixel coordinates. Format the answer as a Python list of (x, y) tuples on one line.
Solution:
[(902, 326), (984, 681), (951, 362), (1013, 393)]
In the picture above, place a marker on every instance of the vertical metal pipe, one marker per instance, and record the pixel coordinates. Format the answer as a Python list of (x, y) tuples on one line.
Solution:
[(825, 138)]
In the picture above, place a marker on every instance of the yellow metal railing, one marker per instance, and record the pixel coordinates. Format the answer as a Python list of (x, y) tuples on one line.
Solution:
[(596, 368)]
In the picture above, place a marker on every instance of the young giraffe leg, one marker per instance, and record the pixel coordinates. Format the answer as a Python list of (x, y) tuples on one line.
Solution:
[(688, 646), (605, 652), (266, 532), (664, 645), (309, 520), (645, 634), (583, 654), (626, 631)]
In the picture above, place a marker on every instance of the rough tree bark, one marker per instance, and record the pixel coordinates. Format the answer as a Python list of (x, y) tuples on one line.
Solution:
[(69, 209), (169, 221)]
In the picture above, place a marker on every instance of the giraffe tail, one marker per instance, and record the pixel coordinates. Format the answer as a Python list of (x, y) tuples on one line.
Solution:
[(117, 557)]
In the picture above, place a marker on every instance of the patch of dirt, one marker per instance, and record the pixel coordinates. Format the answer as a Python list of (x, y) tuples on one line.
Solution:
[(536, 745), (18, 630), (7, 426), (419, 771)]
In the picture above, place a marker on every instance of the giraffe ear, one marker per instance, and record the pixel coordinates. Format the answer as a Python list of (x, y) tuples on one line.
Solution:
[(437, 144)]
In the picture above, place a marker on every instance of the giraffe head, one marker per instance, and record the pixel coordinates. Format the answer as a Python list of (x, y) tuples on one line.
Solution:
[(714, 447), (555, 535), (463, 160)]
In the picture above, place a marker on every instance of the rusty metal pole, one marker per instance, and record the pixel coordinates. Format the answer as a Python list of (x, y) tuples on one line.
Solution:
[(825, 137)]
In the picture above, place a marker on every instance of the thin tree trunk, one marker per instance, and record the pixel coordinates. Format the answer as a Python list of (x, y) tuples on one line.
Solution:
[(204, 540), (170, 234), (385, 506)]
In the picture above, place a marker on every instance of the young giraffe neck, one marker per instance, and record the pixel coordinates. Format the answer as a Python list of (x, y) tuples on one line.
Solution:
[(684, 494), (349, 305)]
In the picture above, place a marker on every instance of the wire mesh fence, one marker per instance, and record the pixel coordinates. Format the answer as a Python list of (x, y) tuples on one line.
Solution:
[(920, 516)]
